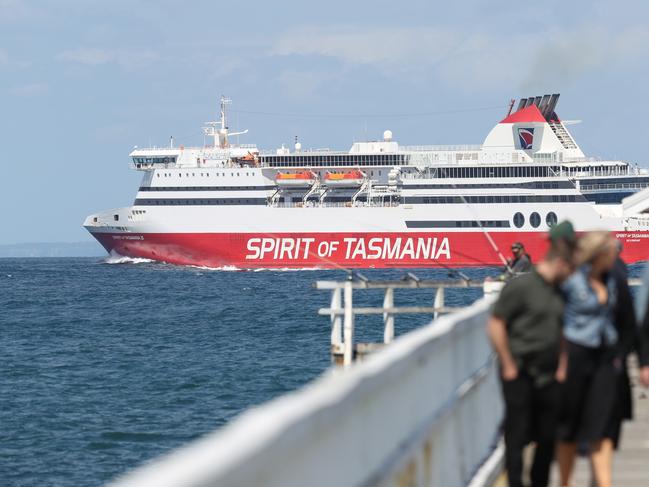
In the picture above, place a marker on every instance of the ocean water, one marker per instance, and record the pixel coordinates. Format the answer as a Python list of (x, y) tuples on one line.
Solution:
[(107, 365)]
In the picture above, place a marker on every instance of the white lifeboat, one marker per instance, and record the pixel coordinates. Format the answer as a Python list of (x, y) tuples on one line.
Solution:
[(345, 179), (299, 179)]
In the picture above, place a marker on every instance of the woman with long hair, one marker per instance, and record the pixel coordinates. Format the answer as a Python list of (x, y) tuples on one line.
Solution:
[(596, 342)]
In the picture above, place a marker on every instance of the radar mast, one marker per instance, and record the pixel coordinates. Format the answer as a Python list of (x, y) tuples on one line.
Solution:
[(219, 129)]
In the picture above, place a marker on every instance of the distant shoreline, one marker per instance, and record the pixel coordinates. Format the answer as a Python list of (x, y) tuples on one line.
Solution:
[(52, 249)]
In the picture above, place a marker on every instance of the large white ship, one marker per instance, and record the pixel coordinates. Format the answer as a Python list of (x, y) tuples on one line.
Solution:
[(377, 205)]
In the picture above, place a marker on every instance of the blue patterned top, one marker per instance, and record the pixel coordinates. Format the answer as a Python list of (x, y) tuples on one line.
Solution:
[(586, 321)]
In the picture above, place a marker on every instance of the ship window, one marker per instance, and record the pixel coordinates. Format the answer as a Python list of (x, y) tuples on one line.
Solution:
[(551, 219), (535, 219), (519, 220), (116, 218)]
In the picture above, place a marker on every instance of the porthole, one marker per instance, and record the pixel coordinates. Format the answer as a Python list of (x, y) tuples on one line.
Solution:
[(551, 219), (519, 220), (535, 219)]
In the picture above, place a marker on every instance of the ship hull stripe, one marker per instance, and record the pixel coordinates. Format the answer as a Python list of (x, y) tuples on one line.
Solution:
[(335, 250)]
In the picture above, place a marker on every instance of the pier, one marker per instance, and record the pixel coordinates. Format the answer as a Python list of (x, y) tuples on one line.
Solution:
[(421, 409), (631, 461)]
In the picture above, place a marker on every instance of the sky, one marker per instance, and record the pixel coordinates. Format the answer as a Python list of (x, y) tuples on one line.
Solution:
[(83, 81)]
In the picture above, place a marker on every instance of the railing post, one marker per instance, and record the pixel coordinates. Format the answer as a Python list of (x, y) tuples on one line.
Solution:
[(348, 326), (439, 301), (388, 318), (336, 319)]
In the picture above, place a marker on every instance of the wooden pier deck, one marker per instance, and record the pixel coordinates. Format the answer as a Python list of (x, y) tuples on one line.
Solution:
[(631, 461)]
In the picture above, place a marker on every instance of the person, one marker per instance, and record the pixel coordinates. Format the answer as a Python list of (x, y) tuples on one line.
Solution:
[(525, 329), (644, 350), (597, 345), (643, 333), (626, 323), (521, 261)]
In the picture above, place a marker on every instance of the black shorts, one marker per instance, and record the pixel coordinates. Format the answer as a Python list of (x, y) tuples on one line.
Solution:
[(590, 402)]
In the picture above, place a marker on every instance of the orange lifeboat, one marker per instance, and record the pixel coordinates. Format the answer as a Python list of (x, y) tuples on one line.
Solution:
[(345, 179), (299, 179), (250, 159)]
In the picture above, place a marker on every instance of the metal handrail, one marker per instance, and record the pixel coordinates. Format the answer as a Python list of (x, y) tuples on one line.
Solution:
[(342, 312)]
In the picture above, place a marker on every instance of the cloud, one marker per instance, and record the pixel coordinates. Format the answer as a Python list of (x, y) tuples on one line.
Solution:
[(88, 56), (31, 89), (13, 10), (399, 48), (527, 60), (304, 84), (126, 58)]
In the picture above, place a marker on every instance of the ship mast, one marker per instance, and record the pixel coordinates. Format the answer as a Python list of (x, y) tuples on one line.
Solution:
[(221, 133)]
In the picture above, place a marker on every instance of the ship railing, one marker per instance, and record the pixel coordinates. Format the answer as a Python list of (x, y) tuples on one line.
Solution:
[(590, 188), (335, 204), (435, 148)]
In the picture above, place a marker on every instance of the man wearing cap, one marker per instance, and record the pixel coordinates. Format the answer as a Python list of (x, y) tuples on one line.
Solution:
[(521, 261), (525, 329)]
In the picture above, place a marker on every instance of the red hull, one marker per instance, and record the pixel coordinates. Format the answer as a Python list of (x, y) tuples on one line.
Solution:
[(331, 250)]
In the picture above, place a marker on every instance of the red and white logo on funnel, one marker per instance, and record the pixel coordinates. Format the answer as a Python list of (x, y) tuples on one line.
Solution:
[(526, 138)]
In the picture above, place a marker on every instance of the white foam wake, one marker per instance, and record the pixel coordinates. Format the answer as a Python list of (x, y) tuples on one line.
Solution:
[(225, 268), (114, 258)]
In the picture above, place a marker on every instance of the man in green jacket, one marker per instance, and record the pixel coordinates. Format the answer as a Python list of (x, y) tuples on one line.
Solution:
[(525, 330)]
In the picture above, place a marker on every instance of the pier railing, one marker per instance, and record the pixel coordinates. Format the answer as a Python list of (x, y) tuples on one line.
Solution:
[(342, 312), (424, 411)]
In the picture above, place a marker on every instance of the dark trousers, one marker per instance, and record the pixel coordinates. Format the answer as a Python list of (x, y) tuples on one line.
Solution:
[(530, 415)]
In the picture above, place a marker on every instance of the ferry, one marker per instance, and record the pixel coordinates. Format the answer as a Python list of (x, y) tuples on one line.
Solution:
[(379, 204)]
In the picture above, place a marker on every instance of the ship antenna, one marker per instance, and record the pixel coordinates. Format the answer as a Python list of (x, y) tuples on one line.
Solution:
[(220, 130), (224, 101), (223, 133)]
